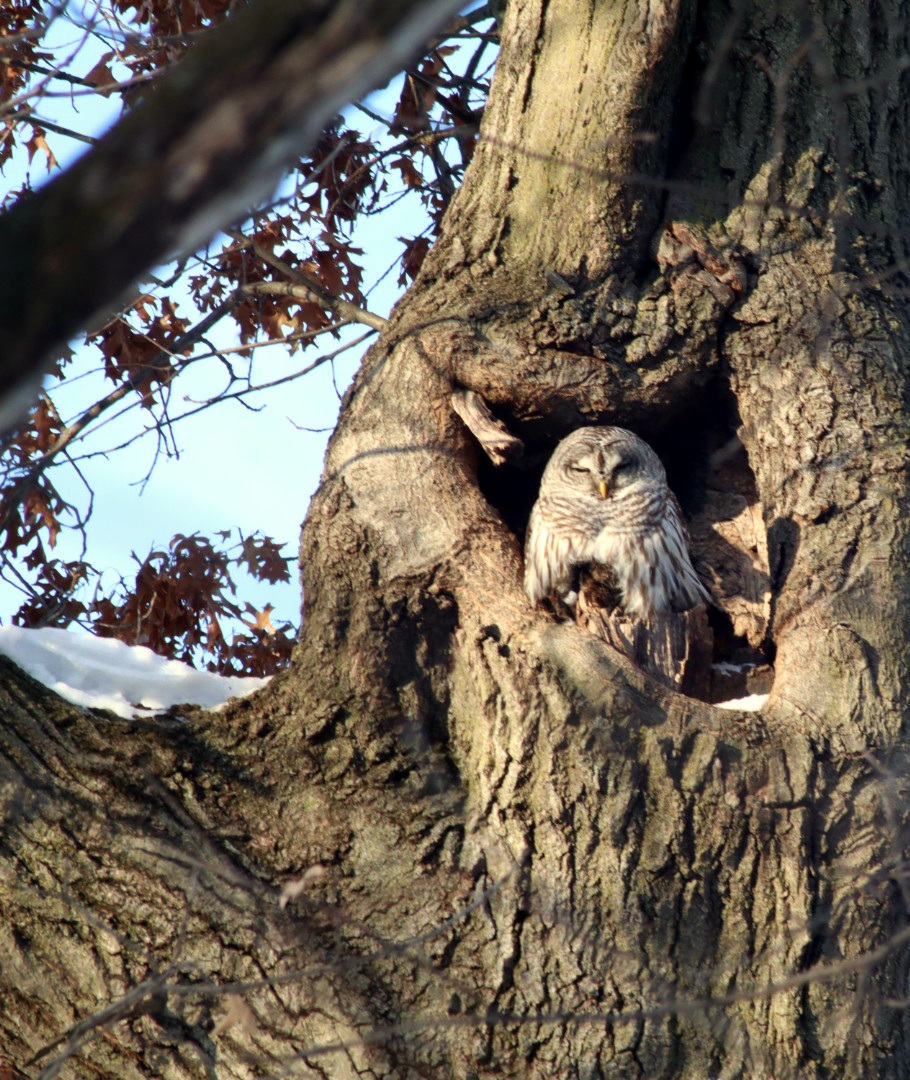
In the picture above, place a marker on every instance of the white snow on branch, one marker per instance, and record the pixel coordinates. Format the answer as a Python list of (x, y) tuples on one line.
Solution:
[(752, 703), (101, 673)]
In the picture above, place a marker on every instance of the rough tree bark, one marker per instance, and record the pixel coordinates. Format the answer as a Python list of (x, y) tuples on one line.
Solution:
[(515, 855)]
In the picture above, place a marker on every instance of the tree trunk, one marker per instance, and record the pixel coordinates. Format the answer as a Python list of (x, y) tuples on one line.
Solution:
[(510, 853)]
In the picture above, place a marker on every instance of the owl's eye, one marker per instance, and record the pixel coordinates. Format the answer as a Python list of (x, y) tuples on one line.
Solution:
[(623, 465), (579, 469)]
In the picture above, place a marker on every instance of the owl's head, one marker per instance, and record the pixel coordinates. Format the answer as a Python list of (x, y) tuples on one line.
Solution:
[(603, 463)]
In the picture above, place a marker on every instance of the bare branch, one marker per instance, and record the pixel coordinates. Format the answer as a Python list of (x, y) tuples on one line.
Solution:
[(304, 287), (255, 388), (29, 117), (229, 395), (499, 444)]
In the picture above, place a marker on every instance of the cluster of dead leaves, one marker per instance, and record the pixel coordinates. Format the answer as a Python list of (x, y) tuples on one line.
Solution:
[(308, 237), (143, 357), (177, 604), (29, 503), (164, 31), (20, 52)]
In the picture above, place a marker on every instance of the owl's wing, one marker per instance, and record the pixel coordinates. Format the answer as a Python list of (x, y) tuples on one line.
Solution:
[(688, 590), (549, 560)]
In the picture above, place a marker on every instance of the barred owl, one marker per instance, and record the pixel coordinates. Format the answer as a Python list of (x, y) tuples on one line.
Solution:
[(604, 501)]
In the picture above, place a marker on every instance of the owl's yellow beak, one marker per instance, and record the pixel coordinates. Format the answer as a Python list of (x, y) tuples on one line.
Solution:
[(602, 489)]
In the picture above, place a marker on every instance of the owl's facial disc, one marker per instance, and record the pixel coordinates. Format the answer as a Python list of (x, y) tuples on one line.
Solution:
[(599, 473), (621, 470), (584, 471), (605, 472)]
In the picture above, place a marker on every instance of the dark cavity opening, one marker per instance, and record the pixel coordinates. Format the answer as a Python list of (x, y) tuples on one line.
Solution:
[(708, 471)]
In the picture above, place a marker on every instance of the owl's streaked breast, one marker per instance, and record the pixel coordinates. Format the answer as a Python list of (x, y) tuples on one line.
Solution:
[(636, 530)]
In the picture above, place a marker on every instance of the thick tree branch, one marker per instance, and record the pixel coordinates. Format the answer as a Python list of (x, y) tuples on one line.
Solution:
[(209, 142)]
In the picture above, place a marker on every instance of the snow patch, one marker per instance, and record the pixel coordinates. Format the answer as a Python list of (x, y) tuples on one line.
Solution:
[(101, 673), (752, 703), (731, 669)]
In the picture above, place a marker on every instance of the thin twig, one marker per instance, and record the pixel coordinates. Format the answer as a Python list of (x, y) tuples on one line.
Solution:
[(250, 389), (135, 378), (30, 117), (311, 290), (237, 394)]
